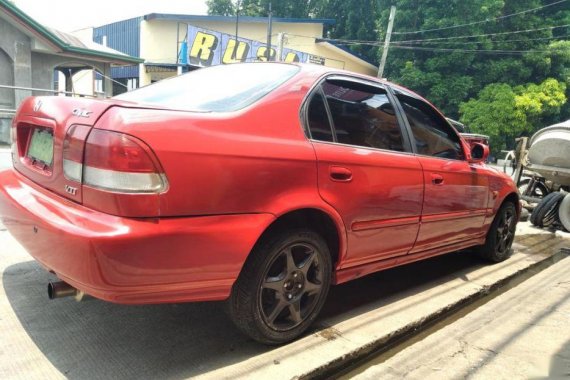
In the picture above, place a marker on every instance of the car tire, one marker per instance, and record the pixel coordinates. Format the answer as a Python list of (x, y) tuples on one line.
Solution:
[(501, 235), (564, 212), (546, 212), (282, 286)]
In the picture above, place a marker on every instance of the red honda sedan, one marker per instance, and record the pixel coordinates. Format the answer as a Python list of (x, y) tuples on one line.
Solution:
[(261, 184)]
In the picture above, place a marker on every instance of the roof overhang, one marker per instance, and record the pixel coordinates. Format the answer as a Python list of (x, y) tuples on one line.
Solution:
[(51, 41), (346, 53), (232, 19)]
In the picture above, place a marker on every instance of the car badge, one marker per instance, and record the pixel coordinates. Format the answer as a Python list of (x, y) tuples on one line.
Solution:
[(37, 106), (81, 112), (70, 190)]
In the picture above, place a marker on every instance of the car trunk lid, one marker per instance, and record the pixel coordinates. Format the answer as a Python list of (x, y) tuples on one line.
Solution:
[(38, 133)]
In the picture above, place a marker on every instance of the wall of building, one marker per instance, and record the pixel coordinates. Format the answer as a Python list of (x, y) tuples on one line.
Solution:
[(19, 66), (160, 39), (123, 36), (15, 69)]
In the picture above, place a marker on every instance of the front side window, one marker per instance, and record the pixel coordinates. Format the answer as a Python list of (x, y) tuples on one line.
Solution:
[(432, 133), (222, 88), (362, 115)]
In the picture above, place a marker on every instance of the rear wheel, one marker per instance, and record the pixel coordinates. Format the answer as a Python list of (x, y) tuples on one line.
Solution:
[(282, 286), (501, 235)]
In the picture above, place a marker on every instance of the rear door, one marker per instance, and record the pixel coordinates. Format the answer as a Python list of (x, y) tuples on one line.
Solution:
[(365, 168), (456, 192)]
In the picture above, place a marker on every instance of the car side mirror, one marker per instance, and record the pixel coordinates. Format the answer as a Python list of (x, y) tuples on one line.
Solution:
[(479, 153)]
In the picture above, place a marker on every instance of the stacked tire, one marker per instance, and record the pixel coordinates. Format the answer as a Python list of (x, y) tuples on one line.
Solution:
[(564, 212), (549, 213)]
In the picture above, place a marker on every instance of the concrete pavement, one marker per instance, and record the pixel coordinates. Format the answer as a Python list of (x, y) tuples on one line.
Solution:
[(521, 334), (98, 340)]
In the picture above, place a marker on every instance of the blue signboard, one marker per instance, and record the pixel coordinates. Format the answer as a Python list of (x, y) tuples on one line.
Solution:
[(208, 48)]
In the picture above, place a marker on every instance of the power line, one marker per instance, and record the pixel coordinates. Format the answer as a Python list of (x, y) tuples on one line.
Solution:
[(493, 41), (487, 51), (483, 21), (376, 43), (484, 35), (498, 51)]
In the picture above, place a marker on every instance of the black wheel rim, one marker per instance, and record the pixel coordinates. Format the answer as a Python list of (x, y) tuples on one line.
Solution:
[(291, 287), (505, 231)]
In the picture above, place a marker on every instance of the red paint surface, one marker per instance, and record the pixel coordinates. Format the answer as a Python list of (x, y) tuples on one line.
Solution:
[(230, 175)]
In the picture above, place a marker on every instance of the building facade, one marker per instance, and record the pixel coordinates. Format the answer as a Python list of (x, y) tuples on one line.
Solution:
[(37, 60), (172, 43)]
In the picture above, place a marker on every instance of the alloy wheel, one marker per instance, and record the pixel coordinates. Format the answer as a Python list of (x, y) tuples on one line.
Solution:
[(505, 230), (291, 286)]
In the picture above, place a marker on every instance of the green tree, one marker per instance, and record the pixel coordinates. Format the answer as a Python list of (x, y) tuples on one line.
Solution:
[(281, 8), (220, 7), (354, 20), (503, 112), (446, 72)]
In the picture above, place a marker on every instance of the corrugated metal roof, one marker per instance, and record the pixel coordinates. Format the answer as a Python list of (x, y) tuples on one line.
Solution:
[(123, 36), (232, 19)]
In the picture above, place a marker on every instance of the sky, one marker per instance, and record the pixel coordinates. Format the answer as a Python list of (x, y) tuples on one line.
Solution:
[(70, 15)]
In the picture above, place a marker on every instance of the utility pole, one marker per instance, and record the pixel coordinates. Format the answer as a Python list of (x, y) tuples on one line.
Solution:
[(387, 41), (280, 38), (237, 23), (268, 50)]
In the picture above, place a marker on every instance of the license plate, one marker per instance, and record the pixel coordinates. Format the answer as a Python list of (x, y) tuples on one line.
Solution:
[(41, 146)]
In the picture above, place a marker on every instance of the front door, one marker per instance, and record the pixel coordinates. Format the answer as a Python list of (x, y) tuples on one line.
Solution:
[(456, 192), (365, 168)]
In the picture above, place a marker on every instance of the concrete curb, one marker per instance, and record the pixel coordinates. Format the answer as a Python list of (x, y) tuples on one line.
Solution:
[(345, 341), (383, 344)]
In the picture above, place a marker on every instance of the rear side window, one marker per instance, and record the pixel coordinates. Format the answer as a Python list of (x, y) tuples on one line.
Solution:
[(318, 119), (362, 115), (433, 135), (220, 88)]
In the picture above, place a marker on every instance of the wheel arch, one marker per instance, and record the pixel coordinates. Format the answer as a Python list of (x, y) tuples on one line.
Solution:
[(515, 199), (328, 226)]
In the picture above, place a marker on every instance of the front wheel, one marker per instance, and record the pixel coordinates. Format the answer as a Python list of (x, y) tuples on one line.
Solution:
[(282, 287), (501, 235)]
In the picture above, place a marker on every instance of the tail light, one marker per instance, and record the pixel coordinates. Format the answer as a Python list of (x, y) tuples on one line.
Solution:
[(120, 163), (73, 146)]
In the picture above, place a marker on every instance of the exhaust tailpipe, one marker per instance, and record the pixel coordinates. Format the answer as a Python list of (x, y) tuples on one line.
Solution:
[(62, 289)]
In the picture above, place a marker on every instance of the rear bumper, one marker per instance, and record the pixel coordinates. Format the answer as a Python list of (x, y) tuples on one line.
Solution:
[(125, 260)]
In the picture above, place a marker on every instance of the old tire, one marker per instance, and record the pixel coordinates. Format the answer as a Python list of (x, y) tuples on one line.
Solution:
[(564, 212), (546, 212), (501, 235), (540, 190), (282, 286)]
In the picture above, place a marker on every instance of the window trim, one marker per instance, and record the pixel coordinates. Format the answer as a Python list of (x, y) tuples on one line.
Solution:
[(409, 127), (317, 86)]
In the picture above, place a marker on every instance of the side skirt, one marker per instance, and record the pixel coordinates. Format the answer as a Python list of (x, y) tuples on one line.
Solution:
[(347, 274)]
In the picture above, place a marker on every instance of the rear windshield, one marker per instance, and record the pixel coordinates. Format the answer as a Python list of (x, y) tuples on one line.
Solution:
[(220, 88)]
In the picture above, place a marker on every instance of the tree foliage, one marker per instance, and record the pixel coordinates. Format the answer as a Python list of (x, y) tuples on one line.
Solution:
[(220, 7), (509, 74), (504, 112), (354, 19)]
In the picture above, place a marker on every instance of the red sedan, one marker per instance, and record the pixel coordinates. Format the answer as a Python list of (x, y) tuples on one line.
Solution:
[(261, 184)]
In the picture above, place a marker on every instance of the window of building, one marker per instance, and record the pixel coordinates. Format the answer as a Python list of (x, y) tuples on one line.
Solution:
[(432, 133), (363, 115)]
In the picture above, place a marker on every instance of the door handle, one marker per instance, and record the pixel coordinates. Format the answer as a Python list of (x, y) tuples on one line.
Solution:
[(340, 174), (437, 179)]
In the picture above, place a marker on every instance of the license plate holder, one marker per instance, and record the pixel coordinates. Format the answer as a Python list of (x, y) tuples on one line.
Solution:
[(40, 149)]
